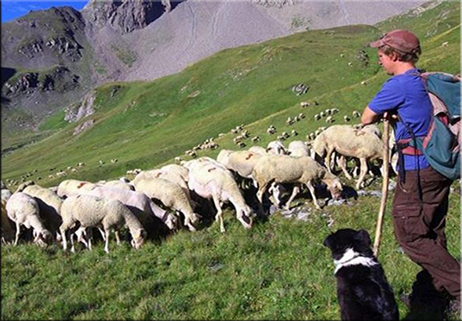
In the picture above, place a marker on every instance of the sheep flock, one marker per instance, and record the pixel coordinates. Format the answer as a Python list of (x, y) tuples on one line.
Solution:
[(191, 194)]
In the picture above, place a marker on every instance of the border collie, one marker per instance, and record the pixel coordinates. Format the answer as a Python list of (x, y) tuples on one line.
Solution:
[(362, 288)]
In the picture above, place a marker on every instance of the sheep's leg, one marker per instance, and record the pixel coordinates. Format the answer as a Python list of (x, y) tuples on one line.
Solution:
[(103, 234), (313, 196), (117, 236), (363, 172), (261, 191), (295, 192), (333, 160), (188, 223), (275, 189), (89, 235), (106, 240), (63, 236), (80, 236), (72, 243), (18, 231), (219, 215), (327, 160), (343, 165)]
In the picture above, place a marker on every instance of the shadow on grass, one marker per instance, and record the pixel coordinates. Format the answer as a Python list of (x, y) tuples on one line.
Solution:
[(425, 302)]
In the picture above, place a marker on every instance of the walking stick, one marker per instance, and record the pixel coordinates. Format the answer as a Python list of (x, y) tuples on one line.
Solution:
[(383, 202)]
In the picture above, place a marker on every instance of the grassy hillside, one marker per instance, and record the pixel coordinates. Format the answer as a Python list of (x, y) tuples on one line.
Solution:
[(277, 270), (146, 124)]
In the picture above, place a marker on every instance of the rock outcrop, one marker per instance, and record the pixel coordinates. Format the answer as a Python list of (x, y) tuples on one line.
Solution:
[(125, 15), (86, 108), (59, 79)]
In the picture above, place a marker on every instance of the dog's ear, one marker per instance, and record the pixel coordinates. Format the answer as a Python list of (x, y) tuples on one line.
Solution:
[(328, 241), (364, 237)]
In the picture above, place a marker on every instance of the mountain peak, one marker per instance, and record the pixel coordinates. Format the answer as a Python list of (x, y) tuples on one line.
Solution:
[(125, 15)]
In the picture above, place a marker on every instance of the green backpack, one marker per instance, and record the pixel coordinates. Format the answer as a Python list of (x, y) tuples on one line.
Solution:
[(441, 145)]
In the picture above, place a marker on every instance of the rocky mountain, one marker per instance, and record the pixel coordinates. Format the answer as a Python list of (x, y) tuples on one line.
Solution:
[(54, 57)]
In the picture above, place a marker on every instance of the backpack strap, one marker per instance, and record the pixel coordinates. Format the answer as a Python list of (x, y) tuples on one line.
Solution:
[(404, 144)]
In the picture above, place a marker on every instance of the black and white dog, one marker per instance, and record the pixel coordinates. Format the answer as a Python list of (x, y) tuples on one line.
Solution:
[(362, 288)]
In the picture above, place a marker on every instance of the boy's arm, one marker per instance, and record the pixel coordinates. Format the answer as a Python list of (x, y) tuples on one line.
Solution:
[(369, 116)]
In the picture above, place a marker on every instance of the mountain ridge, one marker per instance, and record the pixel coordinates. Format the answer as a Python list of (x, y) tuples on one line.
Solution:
[(138, 40)]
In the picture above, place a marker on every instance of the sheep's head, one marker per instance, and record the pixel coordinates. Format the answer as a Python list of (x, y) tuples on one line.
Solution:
[(195, 218), (245, 217), (43, 238), (333, 185), (172, 221), (192, 220), (139, 237)]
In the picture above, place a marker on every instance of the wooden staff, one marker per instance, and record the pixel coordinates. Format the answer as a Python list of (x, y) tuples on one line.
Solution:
[(383, 202)]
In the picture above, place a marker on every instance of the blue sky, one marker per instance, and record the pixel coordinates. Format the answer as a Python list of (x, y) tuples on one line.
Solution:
[(15, 9)]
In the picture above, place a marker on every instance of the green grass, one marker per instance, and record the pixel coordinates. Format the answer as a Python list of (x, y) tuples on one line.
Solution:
[(124, 54), (277, 270)]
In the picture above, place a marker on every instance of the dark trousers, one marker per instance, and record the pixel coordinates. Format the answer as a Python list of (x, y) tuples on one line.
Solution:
[(419, 227)]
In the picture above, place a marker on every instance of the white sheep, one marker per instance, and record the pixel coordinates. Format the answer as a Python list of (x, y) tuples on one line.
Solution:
[(70, 187), (140, 204), (223, 156), (169, 175), (23, 209), (50, 207), (276, 147), (213, 182), (348, 141), (271, 131), (171, 195), (329, 119), (180, 170), (242, 162), (7, 229), (356, 114), (296, 170), (257, 150), (92, 211), (317, 117), (298, 148), (373, 129), (304, 104), (119, 184), (6, 194), (22, 186), (346, 118)]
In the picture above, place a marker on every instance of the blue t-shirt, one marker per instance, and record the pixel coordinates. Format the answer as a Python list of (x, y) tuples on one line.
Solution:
[(406, 94)]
